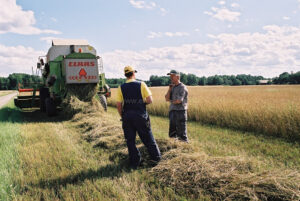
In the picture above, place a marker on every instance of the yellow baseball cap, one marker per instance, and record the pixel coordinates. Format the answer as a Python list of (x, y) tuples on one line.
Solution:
[(129, 69)]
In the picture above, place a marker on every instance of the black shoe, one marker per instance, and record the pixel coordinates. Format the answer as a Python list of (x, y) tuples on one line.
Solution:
[(153, 162), (183, 140), (140, 164)]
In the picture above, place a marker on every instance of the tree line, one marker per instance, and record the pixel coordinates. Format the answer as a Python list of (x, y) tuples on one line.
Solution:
[(286, 78), (230, 80), (193, 80), (13, 81)]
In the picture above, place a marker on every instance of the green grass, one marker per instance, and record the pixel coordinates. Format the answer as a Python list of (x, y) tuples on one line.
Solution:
[(9, 159)]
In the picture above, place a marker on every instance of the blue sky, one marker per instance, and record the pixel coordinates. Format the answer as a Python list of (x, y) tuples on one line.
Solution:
[(203, 37)]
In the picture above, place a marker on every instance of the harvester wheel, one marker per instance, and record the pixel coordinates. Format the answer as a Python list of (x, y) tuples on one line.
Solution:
[(44, 93), (103, 102), (50, 107)]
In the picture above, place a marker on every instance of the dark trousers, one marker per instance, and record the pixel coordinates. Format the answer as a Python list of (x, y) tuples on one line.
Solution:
[(178, 128), (132, 124)]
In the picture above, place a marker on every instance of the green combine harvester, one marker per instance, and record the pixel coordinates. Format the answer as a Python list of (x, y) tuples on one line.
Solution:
[(70, 66)]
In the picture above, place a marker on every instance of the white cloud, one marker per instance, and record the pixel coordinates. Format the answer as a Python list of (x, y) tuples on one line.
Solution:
[(142, 4), (15, 20), (208, 13), (18, 59), (270, 53), (155, 35), (53, 19), (224, 14), (222, 2), (148, 5), (166, 34), (163, 11), (211, 36), (235, 5), (286, 18), (179, 34)]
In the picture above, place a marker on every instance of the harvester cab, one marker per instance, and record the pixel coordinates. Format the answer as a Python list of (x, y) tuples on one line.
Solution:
[(70, 67)]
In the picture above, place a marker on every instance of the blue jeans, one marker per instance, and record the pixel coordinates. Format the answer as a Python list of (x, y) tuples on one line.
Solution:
[(135, 123), (178, 128)]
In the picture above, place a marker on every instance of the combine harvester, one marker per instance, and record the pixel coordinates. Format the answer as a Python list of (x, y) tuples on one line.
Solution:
[(71, 65)]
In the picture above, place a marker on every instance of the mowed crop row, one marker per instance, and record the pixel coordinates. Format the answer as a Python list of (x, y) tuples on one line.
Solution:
[(271, 110)]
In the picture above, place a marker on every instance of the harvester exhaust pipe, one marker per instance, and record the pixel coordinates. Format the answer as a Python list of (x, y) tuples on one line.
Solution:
[(42, 62)]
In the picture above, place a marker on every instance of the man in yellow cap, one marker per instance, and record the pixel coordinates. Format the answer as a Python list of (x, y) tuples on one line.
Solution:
[(132, 98)]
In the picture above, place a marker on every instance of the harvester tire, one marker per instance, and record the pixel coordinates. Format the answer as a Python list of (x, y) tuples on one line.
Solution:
[(103, 102), (44, 93), (50, 107)]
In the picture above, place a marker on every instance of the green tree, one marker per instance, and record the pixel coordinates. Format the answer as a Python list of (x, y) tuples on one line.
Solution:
[(210, 80), (183, 78), (192, 80), (159, 80), (202, 81), (295, 78), (114, 82), (217, 80), (3, 83), (284, 78), (236, 82)]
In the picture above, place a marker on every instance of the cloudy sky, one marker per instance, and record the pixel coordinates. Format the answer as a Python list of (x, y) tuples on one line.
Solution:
[(203, 37)]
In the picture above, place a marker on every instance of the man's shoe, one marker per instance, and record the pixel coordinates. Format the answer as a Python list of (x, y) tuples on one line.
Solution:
[(173, 136), (182, 140), (140, 164), (153, 162)]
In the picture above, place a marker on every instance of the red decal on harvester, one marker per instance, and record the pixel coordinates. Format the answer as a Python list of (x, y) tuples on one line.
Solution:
[(80, 63), (82, 73)]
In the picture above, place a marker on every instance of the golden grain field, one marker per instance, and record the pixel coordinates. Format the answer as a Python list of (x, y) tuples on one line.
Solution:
[(270, 110)]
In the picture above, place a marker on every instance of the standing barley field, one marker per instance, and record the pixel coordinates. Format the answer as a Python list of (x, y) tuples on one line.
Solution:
[(270, 110)]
